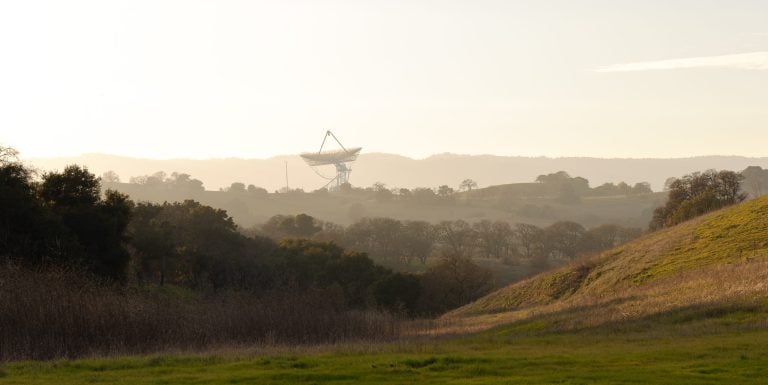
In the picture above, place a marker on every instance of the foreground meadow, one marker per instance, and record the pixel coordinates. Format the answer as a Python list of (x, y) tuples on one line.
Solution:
[(493, 357)]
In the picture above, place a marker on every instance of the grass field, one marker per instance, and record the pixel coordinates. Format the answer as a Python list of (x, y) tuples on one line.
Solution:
[(493, 357)]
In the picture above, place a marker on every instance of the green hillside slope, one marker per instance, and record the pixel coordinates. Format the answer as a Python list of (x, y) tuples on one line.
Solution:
[(712, 267)]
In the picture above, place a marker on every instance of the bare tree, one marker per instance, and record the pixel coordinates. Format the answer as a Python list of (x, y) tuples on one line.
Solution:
[(418, 240), (531, 240), (467, 185), (457, 237), (110, 177), (494, 238)]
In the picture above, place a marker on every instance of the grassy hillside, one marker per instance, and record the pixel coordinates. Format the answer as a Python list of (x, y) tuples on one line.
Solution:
[(709, 268)]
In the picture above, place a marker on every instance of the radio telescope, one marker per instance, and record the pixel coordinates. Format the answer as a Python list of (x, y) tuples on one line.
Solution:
[(338, 158)]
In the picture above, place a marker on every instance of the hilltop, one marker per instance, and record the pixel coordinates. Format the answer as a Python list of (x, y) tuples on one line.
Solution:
[(711, 271), (508, 203)]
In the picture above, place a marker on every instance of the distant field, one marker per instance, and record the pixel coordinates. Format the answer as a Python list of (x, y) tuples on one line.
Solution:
[(493, 357)]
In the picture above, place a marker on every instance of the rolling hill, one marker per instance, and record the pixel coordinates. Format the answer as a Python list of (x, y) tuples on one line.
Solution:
[(345, 208), (709, 272)]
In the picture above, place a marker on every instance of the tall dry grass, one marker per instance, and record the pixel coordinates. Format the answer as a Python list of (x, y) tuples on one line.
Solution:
[(715, 296), (63, 314)]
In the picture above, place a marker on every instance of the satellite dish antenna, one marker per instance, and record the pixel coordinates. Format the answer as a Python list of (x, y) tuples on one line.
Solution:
[(339, 158)]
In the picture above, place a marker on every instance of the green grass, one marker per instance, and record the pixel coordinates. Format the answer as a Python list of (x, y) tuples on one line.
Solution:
[(737, 233), (493, 357)]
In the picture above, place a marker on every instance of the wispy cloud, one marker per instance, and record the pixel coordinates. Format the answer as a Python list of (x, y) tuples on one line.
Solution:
[(743, 61)]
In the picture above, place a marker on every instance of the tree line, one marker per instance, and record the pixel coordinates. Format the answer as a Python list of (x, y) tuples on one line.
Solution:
[(559, 184), (392, 242)]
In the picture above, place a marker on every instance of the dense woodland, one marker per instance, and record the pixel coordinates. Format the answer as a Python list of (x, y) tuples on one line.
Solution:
[(408, 245)]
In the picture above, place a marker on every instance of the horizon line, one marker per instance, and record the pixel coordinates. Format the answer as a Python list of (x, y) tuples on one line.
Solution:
[(86, 154)]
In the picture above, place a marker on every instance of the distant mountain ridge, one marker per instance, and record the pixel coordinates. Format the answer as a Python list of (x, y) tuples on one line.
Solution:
[(400, 171)]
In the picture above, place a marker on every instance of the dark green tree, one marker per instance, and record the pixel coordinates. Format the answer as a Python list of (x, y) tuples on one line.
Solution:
[(696, 194), (398, 292), (190, 244), (453, 282), (308, 264), (27, 229), (74, 187), (292, 226), (92, 231)]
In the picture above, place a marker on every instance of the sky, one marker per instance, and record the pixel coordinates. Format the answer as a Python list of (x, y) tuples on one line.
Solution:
[(254, 79)]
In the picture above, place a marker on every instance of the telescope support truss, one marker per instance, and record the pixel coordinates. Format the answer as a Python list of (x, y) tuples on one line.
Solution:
[(340, 159)]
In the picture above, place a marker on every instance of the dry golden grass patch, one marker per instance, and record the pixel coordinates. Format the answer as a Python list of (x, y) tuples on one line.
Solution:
[(708, 267)]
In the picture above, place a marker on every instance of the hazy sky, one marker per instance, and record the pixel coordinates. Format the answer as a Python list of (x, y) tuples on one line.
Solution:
[(253, 79)]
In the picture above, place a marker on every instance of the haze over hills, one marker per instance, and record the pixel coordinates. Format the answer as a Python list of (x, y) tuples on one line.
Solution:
[(399, 171)]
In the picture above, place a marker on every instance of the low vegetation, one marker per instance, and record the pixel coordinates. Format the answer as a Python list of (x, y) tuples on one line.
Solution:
[(62, 314)]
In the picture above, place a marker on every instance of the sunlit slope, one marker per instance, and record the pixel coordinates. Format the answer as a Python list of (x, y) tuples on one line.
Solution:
[(710, 264)]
